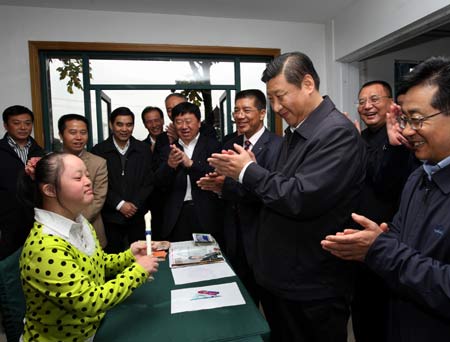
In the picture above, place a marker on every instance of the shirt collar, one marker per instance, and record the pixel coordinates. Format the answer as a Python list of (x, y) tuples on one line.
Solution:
[(294, 128), (193, 142), (58, 224), (14, 144), (431, 168), (120, 149), (255, 137)]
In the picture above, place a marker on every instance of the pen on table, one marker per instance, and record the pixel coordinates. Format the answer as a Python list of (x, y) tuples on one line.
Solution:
[(205, 294)]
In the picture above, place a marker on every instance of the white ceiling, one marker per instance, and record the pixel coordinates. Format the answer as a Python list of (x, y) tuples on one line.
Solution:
[(313, 11)]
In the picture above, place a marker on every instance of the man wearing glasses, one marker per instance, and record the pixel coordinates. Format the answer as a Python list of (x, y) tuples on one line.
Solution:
[(412, 254), (188, 209), (241, 219), (379, 202)]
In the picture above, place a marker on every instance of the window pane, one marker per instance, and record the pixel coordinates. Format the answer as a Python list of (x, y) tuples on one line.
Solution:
[(61, 101), (105, 118), (94, 132), (107, 71)]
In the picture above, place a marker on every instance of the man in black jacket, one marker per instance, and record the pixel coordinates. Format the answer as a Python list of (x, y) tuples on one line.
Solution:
[(16, 147), (188, 209), (130, 181), (313, 190)]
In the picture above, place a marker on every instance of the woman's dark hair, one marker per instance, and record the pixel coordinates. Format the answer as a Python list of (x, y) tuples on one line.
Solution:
[(48, 171)]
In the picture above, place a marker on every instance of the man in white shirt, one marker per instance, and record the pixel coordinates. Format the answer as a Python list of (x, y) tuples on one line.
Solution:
[(242, 209), (188, 209)]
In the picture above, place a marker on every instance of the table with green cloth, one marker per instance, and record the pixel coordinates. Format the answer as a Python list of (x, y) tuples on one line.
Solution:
[(146, 316)]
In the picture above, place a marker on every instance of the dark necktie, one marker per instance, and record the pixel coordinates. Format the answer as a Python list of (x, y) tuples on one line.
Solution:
[(247, 144)]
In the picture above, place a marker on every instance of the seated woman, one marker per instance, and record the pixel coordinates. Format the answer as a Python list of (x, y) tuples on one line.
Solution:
[(62, 266)]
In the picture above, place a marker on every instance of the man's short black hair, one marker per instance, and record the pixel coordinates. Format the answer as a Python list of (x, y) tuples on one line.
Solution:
[(16, 110), (120, 111), (184, 108), (435, 71), (387, 87), (294, 66), (68, 117), (150, 109), (255, 94)]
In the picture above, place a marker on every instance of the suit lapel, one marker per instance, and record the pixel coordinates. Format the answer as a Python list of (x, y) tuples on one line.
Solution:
[(198, 148), (261, 143)]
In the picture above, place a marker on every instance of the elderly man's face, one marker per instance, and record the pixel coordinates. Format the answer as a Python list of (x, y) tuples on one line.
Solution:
[(154, 123), (432, 141), (373, 105)]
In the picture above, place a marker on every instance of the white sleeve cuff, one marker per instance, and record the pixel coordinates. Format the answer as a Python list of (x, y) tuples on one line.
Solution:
[(241, 174), (120, 205)]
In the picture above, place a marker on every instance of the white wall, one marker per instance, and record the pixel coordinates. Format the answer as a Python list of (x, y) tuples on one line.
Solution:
[(18, 25), (366, 21), (382, 67), (365, 27)]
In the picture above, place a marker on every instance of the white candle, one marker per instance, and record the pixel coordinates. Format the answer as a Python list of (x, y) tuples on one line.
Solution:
[(148, 232)]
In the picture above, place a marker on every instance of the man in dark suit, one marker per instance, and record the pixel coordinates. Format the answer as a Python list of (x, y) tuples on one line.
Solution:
[(130, 181), (188, 209), (16, 147), (313, 190), (153, 120), (165, 139), (241, 207)]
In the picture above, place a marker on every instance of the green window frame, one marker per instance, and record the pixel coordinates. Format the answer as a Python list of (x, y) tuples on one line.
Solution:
[(48, 50)]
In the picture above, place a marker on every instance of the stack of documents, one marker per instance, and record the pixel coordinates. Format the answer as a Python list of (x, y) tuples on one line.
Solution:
[(187, 253)]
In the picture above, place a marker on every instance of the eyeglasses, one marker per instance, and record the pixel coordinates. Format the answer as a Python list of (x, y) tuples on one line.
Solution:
[(245, 111), (374, 99), (180, 122), (415, 122)]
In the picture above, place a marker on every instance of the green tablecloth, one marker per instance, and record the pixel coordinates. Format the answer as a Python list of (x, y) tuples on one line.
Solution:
[(145, 316)]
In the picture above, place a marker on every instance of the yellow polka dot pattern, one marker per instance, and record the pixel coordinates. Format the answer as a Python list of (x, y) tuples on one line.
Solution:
[(65, 290)]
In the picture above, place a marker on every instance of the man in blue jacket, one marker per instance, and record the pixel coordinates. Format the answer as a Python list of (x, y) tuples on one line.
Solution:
[(412, 254)]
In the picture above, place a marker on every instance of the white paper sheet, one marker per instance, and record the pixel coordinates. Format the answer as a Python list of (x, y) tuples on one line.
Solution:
[(192, 274), (190, 300)]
